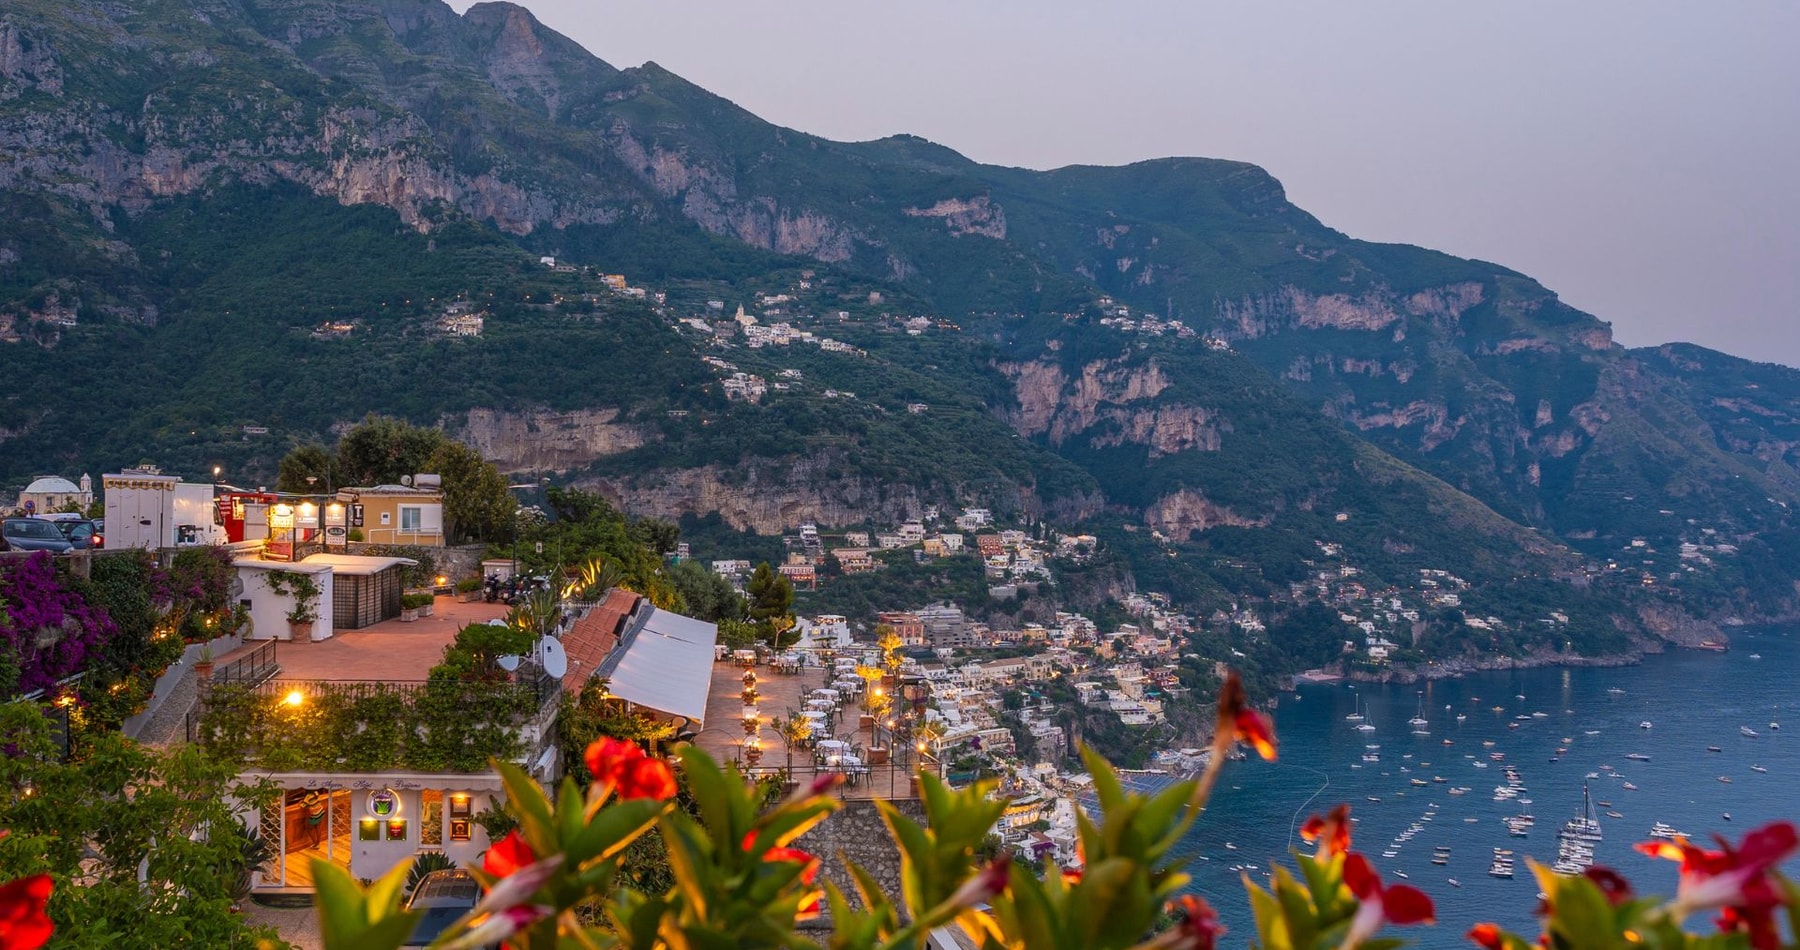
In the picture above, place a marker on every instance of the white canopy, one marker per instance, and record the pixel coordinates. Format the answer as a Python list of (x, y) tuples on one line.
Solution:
[(665, 663)]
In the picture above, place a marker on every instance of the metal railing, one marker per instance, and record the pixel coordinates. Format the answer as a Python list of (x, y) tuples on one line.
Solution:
[(256, 667)]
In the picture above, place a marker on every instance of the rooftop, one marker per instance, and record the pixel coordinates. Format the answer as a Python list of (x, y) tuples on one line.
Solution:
[(390, 651), (594, 636)]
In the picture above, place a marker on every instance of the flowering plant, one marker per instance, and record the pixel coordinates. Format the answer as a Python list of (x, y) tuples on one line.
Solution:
[(47, 627), (740, 881)]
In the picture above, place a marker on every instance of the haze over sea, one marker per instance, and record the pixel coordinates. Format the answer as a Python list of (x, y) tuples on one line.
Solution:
[(1693, 699)]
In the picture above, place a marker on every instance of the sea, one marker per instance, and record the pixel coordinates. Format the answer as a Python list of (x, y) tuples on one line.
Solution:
[(1670, 708)]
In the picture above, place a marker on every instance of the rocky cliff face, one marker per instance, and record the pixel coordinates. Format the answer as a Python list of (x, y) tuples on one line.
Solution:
[(1182, 514), (1099, 404), (545, 441), (765, 495), (772, 495)]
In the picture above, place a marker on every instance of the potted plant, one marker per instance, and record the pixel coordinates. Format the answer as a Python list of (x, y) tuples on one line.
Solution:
[(305, 593), (411, 604), (468, 589), (203, 667)]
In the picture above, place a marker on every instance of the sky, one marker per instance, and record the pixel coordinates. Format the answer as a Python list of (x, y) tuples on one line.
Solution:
[(1637, 157)]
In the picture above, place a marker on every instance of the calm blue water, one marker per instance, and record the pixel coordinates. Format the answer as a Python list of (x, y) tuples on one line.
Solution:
[(1692, 699)]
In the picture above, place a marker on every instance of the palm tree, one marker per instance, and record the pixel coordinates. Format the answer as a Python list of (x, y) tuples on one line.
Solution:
[(794, 730), (539, 613), (594, 579)]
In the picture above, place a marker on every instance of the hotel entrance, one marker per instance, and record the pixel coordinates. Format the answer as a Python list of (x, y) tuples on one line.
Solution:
[(308, 823)]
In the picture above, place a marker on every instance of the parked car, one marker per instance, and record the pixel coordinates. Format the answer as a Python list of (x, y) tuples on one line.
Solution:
[(33, 534), (88, 533), (444, 895)]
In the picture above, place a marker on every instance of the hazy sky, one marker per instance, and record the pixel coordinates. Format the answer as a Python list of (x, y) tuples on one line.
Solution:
[(1638, 158)]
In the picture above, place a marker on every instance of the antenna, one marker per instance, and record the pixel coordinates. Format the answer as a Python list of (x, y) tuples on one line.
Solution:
[(509, 662)]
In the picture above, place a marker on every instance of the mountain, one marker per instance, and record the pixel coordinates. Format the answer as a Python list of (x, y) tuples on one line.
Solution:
[(200, 191)]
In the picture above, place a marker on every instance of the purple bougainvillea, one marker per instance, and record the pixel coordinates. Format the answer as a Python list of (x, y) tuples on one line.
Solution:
[(47, 627)]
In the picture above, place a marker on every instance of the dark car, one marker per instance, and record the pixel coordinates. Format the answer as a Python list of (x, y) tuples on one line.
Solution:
[(85, 534), (33, 534), (445, 896)]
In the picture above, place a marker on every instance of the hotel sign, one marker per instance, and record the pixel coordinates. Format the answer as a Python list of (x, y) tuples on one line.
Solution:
[(337, 533)]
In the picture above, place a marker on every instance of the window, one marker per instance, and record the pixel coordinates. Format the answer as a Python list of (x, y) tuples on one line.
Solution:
[(410, 519)]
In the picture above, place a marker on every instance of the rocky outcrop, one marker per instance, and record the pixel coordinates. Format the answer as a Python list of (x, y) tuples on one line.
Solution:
[(1181, 515), (1050, 403), (26, 63), (765, 495), (1437, 427), (1675, 625), (1166, 429), (1094, 405), (977, 215), (1289, 308), (544, 441)]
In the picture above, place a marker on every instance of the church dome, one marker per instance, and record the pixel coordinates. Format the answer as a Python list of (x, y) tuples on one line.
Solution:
[(51, 485)]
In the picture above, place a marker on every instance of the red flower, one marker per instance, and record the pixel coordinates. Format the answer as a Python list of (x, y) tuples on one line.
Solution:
[(809, 873), (1199, 928), (1071, 876), (1400, 904), (511, 854), (1488, 936), (1242, 723), (984, 886), (500, 925), (1611, 883), (23, 923), (607, 758), (622, 765), (1331, 831), (647, 778), (1734, 879)]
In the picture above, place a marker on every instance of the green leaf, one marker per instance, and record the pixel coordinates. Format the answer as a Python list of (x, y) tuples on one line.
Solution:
[(526, 799), (690, 859), (351, 918), (613, 828), (712, 792), (1269, 923), (1296, 907)]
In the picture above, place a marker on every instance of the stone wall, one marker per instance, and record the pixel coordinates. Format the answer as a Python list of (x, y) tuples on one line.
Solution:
[(857, 833)]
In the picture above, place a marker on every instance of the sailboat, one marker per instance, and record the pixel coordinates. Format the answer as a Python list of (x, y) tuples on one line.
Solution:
[(1418, 718), (1356, 713), (1583, 827)]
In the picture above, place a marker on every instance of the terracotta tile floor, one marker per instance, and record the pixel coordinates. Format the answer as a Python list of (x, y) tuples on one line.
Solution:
[(388, 651), (778, 693)]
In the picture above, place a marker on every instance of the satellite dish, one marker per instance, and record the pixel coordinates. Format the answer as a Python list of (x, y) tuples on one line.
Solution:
[(553, 657), (509, 662), (496, 622)]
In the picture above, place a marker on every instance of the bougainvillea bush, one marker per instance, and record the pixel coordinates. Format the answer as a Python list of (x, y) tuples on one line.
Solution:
[(47, 630), (740, 883)]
